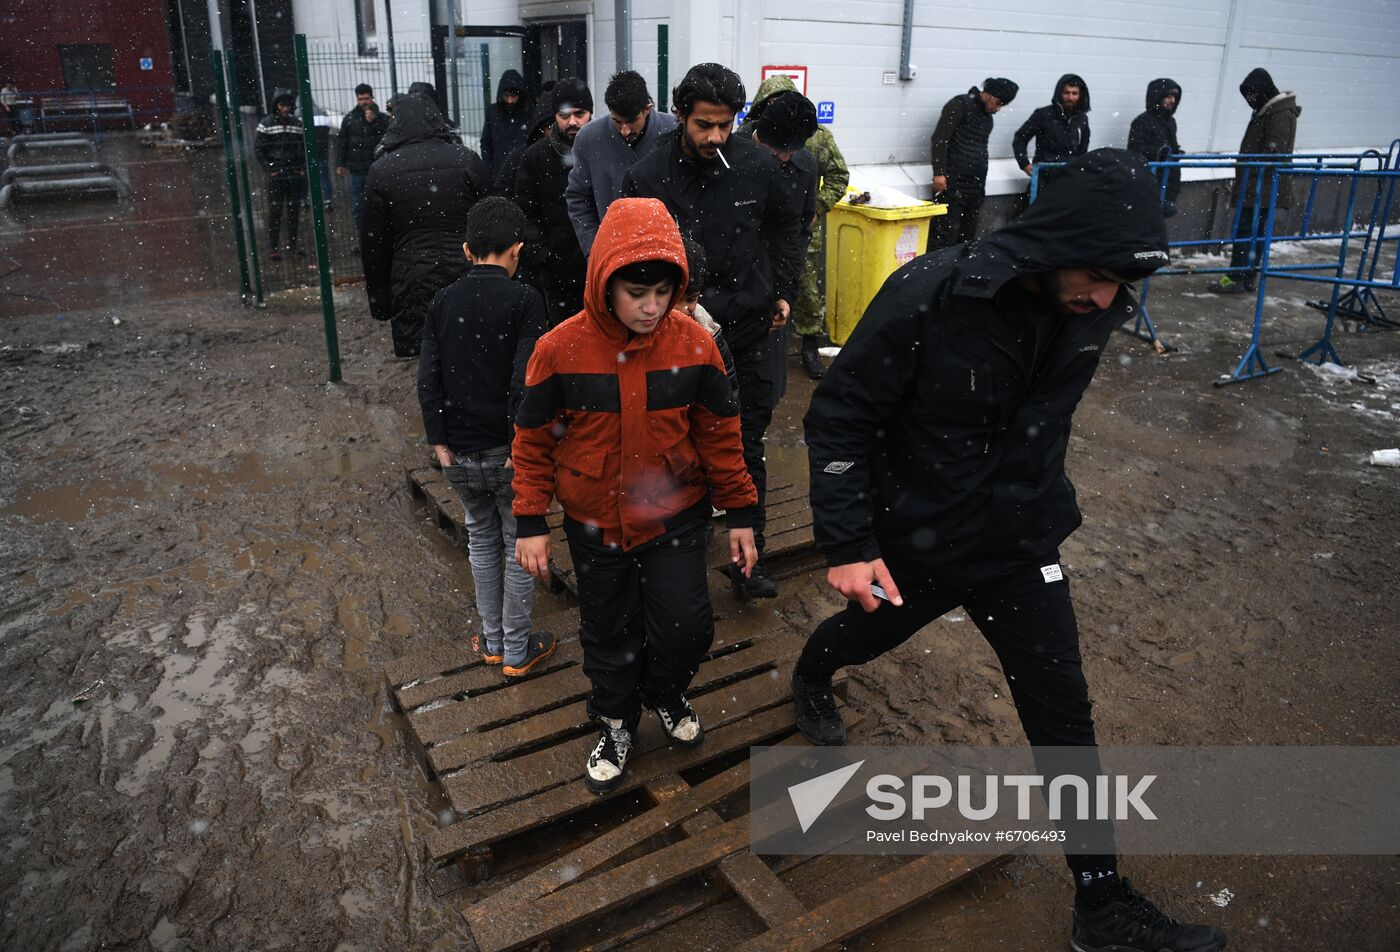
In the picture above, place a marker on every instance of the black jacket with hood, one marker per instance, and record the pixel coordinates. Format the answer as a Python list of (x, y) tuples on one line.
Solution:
[(1271, 131), (938, 437), (746, 218), (278, 142), (1153, 133), (539, 191), (1059, 136), (415, 213), (506, 127)]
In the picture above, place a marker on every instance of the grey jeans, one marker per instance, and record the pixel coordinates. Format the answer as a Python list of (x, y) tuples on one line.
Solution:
[(505, 593)]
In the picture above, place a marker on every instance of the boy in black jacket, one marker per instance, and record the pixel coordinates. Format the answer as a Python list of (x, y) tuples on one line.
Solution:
[(477, 339)]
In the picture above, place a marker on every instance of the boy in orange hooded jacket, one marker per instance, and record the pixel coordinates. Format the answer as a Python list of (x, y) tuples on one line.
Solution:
[(628, 418)]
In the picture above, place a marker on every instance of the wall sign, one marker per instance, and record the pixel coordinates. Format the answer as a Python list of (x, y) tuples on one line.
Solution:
[(826, 113), (798, 75)]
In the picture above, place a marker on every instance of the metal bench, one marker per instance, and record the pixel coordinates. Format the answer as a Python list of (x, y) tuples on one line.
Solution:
[(91, 105)]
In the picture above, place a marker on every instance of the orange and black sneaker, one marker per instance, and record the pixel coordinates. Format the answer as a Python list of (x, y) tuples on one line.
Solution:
[(488, 656), (540, 647)]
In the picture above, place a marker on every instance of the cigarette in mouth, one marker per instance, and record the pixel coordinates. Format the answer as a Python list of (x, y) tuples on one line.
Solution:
[(724, 160)]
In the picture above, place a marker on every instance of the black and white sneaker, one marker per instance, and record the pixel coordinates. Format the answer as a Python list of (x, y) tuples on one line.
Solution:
[(679, 721), (607, 765), (817, 717), (1131, 923)]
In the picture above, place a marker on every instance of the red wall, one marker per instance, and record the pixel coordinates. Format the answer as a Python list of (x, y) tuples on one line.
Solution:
[(34, 29)]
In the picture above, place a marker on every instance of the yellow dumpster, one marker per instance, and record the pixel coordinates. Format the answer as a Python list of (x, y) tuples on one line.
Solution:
[(864, 246)]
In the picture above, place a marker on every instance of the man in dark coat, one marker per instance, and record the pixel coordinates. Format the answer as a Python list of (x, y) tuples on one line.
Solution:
[(1060, 130), (1153, 134), (1271, 131), (416, 202), (936, 445), (539, 190), (360, 133), (507, 121), (503, 183), (729, 194), (958, 151), (279, 147)]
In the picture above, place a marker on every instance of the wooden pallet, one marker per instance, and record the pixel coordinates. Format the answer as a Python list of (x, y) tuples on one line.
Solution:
[(788, 552)]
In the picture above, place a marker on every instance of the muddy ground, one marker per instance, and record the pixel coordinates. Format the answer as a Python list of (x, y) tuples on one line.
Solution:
[(192, 519)]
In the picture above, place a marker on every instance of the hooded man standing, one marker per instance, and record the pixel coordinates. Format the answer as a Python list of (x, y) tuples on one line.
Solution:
[(607, 147), (1060, 130), (808, 313), (414, 218), (731, 196), (507, 121), (1153, 134), (278, 145), (958, 150), (937, 444), (1271, 131), (539, 190)]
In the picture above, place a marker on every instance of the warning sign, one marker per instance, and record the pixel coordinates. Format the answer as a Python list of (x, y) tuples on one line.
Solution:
[(798, 75)]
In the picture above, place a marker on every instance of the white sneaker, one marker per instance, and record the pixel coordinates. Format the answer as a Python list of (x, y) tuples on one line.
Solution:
[(680, 722), (608, 763)]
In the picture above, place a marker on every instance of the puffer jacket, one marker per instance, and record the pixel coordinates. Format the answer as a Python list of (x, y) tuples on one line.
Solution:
[(634, 433), (958, 145), (417, 197), (278, 143), (1153, 133), (1059, 136)]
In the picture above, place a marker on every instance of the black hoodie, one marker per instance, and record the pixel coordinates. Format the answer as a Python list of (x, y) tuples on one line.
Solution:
[(1153, 133), (938, 436), (278, 142), (1059, 136), (417, 197), (506, 127)]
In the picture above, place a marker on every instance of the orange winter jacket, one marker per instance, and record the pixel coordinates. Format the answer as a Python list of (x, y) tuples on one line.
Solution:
[(628, 430)]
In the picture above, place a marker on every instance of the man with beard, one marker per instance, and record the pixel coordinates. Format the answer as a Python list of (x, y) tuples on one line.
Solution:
[(610, 145), (729, 194), (936, 447), (1153, 134), (414, 218), (553, 248), (958, 153), (1060, 130)]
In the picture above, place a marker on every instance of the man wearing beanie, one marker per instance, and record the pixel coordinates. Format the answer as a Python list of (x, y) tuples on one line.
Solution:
[(936, 445), (808, 314), (552, 250), (1270, 132), (959, 157)]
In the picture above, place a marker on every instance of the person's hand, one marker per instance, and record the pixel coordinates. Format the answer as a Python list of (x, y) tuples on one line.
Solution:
[(532, 552), (742, 550), (940, 184), (509, 463), (341, 170), (1026, 168), (854, 581), (444, 454), (780, 314)]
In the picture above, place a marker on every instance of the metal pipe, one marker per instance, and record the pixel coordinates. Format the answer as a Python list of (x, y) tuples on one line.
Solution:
[(257, 55), (318, 212), (241, 154), (216, 63), (906, 41), (452, 63), (389, 33), (663, 66), (622, 23)]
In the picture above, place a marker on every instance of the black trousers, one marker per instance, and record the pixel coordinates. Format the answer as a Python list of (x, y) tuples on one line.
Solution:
[(645, 621), (960, 224), (289, 191), (1028, 621), (1245, 253), (754, 366)]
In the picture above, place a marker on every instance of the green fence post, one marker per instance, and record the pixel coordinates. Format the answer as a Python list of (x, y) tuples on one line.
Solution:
[(663, 65), (216, 63), (318, 213), (247, 189)]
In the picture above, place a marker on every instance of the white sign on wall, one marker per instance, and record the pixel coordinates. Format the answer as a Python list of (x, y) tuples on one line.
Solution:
[(798, 75)]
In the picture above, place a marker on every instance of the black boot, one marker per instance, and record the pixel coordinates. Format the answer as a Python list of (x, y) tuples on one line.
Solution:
[(757, 585), (817, 716), (1131, 923), (811, 359)]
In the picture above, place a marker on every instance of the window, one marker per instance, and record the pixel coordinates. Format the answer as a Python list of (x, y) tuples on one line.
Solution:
[(87, 66), (366, 27)]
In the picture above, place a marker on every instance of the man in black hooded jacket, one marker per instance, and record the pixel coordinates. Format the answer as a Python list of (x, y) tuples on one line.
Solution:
[(936, 445), (279, 147), (1060, 130), (414, 218), (958, 154), (1153, 134), (507, 121)]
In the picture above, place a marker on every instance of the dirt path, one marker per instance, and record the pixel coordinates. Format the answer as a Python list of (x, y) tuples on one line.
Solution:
[(193, 516)]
